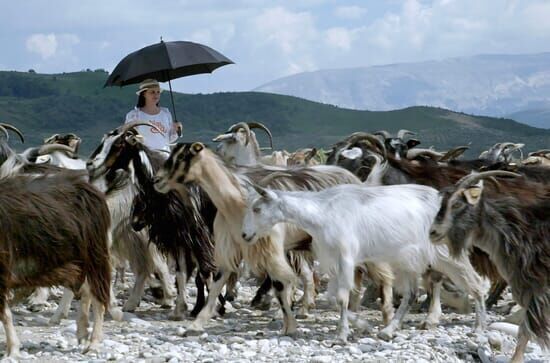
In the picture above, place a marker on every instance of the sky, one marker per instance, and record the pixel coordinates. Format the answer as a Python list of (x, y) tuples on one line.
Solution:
[(266, 39)]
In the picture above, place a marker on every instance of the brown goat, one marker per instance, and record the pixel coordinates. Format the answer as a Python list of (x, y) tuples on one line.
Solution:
[(516, 236), (54, 232)]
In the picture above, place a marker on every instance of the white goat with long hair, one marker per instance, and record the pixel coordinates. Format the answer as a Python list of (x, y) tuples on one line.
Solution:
[(354, 224)]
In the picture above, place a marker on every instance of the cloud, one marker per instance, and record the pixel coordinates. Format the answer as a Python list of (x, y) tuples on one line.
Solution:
[(285, 29), (49, 45), (339, 38), (43, 44), (350, 12)]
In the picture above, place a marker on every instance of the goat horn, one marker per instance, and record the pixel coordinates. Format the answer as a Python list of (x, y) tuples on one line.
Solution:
[(384, 134), (454, 153), (373, 139), (414, 153), (257, 125), (222, 137), (471, 179), (401, 133), (241, 125), (50, 139), (48, 149), (122, 129), (541, 152), (14, 129)]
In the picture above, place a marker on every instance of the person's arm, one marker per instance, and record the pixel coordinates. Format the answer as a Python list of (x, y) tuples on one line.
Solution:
[(174, 129), (131, 116)]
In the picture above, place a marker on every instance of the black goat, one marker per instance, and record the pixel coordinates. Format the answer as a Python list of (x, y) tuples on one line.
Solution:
[(180, 227)]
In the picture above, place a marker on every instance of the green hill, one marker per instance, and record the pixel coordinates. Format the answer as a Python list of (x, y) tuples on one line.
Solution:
[(43, 104)]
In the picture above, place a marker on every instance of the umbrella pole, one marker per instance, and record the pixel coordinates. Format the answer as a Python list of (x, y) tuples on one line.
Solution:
[(173, 105)]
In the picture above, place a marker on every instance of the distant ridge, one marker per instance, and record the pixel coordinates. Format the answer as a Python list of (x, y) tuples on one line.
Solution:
[(495, 85)]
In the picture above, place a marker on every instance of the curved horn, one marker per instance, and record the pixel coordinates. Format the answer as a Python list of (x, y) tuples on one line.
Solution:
[(414, 153), (401, 133), (50, 139), (454, 153), (5, 132), (241, 125), (383, 133), (123, 128), (474, 178), (257, 125), (14, 129), (371, 138), (48, 149), (541, 152)]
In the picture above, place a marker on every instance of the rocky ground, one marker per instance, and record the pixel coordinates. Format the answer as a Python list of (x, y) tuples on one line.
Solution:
[(247, 335)]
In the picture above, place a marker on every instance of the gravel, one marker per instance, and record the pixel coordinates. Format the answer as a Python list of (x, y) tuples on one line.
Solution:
[(248, 335)]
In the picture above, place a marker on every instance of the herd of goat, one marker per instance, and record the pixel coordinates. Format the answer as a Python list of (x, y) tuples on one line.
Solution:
[(379, 208)]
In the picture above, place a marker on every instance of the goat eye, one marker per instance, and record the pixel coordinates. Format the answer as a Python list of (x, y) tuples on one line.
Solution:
[(256, 210)]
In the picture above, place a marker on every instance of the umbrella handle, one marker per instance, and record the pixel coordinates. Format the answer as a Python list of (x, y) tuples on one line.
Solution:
[(173, 104)]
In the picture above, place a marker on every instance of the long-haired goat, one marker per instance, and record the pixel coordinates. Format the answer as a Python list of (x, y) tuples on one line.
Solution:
[(515, 235), (193, 163), (55, 230), (128, 245), (352, 224), (179, 230)]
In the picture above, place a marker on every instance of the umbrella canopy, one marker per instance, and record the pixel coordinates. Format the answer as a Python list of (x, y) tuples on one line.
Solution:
[(165, 61)]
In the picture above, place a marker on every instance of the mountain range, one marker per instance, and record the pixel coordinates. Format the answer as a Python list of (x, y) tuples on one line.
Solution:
[(516, 86), (44, 104)]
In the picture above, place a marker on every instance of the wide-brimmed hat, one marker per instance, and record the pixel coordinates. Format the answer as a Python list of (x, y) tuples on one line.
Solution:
[(147, 84)]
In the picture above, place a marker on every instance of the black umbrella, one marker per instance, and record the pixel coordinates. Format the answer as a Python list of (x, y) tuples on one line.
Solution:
[(165, 61)]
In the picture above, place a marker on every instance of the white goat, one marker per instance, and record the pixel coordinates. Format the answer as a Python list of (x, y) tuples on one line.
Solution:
[(353, 224), (239, 146)]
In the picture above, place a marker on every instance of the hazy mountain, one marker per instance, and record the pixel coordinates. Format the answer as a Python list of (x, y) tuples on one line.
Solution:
[(495, 85), (44, 104)]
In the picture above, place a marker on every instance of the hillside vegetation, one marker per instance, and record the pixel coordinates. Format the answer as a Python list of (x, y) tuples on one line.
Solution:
[(41, 105)]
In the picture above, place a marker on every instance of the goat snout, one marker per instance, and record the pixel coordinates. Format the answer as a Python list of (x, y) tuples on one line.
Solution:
[(246, 237)]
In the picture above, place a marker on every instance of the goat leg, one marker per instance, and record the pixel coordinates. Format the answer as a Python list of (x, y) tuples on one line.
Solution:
[(262, 299), (208, 311), (12, 341), (497, 288), (409, 297), (62, 311), (199, 304)]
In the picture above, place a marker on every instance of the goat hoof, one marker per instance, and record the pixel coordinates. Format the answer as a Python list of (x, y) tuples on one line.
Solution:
[(385, 335), (177, 317), (117, 314), (54, 320), (91, 348), (194, 328), (229, 298), (36, 308), (427, 325), (264, 306)]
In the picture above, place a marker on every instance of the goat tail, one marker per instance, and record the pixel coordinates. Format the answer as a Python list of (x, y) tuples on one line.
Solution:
[(537, 319)]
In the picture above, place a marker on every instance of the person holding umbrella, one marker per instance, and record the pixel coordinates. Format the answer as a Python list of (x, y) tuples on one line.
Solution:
[(148, 110)]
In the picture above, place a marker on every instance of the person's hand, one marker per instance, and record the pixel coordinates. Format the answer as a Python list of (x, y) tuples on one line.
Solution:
[(179, 128)]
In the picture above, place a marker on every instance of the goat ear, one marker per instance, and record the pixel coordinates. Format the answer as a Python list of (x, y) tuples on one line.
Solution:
[(196, 147), (473, 193), (412, 143), (310, 155), (134, 139)]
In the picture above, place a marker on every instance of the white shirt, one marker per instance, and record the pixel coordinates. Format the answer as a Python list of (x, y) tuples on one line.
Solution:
[(152, 138)]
